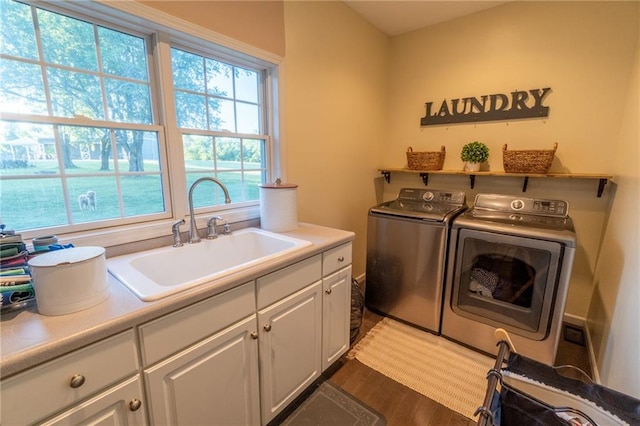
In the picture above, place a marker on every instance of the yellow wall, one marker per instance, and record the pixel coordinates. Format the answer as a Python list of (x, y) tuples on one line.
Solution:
[(258, 23), (614, 315), (583, 51), (333, 111)]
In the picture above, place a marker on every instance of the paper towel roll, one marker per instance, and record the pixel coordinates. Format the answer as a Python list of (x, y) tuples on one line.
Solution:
[(278, 207)]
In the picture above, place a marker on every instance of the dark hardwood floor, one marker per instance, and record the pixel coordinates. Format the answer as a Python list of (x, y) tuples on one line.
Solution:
[(402, 406)]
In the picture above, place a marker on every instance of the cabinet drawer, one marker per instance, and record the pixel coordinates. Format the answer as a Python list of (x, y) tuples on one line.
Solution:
[(46, 389), (336, 258), (173, 332), (284, 282)]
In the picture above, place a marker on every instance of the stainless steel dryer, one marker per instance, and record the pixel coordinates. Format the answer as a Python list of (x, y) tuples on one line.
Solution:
[(509, 265), (406, 255)]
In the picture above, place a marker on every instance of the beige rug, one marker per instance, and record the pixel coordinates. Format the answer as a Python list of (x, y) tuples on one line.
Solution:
[(437, 368)]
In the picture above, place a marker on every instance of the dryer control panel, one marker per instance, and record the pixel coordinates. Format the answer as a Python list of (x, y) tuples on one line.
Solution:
[(522, 205)]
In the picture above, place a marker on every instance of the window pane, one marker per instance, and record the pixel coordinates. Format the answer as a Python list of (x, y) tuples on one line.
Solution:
[(128, 102), (253, 154), (67, 41), (122, 54), (32, 203), (188, 71), (246, 85), (27, 149), (21, 90), (219, 78), (191, 111), (137, 151), (17, 37), (93, 198), (221, 115), (198, 152), (228, 153), (74, 93), (142, 194), (242, 186), (248, 118)]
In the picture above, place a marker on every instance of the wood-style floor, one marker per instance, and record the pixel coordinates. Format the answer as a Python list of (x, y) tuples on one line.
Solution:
[(402, 406)]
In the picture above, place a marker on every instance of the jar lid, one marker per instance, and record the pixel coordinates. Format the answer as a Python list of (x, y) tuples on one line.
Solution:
[(66, 256), (278, 184)]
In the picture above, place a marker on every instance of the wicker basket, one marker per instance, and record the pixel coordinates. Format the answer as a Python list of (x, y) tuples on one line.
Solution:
[(528, 161), (425, 160)]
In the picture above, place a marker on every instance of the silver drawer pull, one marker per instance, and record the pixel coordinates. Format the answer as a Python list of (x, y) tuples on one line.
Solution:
[(341, 259), (267, 327), (76, 381), (135, 404), (254, 335)]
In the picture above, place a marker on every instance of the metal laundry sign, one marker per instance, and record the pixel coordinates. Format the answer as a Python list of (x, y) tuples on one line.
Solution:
[(498, 106)]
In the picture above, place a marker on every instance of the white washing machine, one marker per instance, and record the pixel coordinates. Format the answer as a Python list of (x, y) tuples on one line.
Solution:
[(509, 266)]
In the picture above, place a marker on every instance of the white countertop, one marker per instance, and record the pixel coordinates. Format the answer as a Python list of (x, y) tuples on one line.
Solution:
[(29, 339)]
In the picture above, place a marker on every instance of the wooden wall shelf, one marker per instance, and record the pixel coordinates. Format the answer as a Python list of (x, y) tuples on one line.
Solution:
[(424, 174)]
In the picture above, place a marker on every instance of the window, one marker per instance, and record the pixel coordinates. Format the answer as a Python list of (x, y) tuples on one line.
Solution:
[(84, 130)]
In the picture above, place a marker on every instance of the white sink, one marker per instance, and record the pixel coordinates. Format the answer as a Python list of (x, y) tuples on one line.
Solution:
[(158, 273)]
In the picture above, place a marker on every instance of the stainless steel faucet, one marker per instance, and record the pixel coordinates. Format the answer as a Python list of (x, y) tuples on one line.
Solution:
[(212, 223), (193, 230)]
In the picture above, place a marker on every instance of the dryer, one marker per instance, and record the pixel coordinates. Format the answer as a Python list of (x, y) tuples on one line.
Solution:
[(509, 266)]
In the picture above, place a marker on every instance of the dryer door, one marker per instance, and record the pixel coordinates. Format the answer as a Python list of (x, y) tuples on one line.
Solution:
[(506, 281)]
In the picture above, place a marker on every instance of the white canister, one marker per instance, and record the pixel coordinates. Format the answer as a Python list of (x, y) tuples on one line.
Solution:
[(278, 206), (69, 280)]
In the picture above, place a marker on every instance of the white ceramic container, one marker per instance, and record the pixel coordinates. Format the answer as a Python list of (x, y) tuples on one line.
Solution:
[(69, 280), (279, 207)]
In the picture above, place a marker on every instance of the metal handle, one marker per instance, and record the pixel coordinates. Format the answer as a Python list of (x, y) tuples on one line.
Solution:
[(135, 404), (341, 259), (254, 335), (267, 327), (76, 381), (328, 291), (176, 225)]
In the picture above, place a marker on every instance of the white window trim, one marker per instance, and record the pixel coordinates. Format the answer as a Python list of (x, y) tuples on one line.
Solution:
[(134, 13)]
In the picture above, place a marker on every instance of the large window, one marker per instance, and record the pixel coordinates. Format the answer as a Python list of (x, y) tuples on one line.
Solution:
[(84, 130)]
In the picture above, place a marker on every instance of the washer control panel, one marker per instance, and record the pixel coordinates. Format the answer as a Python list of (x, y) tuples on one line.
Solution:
[(522, 205), (432, 196)]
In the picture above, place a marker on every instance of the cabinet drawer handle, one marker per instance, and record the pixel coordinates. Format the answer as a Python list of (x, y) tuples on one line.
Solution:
[(254, 335), (135, 404), (328, 291), (341, 259), (267, 327), (76, 381)]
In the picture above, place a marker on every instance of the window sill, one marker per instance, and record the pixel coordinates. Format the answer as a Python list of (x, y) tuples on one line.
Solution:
[(124, 235)]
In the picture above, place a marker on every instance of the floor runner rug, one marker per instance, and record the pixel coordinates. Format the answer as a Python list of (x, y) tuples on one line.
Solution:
[(329, 405), (439, 369)]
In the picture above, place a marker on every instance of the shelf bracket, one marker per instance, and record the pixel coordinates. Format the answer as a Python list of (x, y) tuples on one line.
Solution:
[(386, 174), (425, 178), (472, 179), (525, 183), (601, 185)]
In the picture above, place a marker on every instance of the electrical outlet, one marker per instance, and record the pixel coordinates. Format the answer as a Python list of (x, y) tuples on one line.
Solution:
[(574, 334)]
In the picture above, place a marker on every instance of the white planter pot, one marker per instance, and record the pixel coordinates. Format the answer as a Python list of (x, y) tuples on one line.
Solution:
[(471, 167)]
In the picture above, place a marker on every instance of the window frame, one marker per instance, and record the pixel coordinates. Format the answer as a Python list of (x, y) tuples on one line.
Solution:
[(165, 31)]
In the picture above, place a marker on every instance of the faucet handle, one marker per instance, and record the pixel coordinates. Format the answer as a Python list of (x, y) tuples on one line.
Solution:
[(227, 229), (211, 227), (175, 230)]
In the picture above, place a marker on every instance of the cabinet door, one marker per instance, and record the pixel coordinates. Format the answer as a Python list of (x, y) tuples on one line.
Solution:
[(290, 348), (119, 405), (214, 382), (336, 315)]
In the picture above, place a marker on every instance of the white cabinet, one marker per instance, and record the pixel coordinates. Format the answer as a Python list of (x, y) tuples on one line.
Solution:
[(119, 405), (68, 381), (336, 315), (212, 382), (290, 340)]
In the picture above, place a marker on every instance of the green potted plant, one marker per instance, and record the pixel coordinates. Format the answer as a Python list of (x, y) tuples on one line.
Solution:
[(473, 154)]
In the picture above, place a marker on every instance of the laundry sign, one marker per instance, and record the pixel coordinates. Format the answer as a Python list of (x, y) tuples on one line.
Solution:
[(498, 106)]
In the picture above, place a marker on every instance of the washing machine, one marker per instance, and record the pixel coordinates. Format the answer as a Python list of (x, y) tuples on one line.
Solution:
[(510, 261), (407, 242)]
